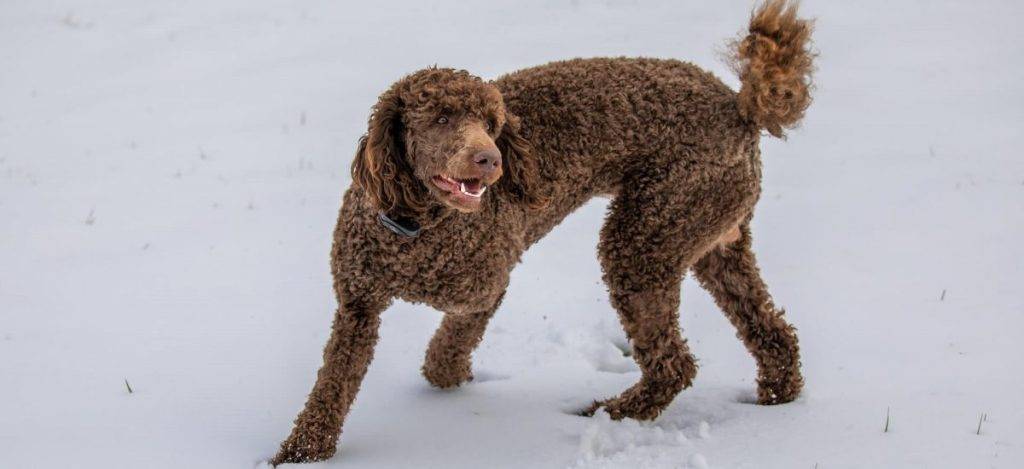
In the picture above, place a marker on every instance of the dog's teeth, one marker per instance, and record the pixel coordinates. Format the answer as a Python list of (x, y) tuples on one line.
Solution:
[(464, 190)]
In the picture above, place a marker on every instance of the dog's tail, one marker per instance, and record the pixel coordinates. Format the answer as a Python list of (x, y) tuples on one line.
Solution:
[(774, 62)]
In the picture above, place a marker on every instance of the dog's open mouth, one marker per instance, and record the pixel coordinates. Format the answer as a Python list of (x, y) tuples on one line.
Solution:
[(472, 188)]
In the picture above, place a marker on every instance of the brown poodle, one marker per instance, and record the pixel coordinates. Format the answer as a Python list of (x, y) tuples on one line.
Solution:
[(457, 177)]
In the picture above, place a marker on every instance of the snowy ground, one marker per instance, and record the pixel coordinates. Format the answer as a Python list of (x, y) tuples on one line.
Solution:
[(170, 174)]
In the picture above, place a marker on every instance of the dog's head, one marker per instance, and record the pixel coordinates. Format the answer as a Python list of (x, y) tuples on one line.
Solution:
[(443, 136)]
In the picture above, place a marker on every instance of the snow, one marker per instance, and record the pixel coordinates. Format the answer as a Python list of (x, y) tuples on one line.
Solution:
[(170, 175)]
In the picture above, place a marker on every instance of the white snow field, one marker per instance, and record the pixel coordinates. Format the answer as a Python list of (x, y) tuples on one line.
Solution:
[(170, 174)]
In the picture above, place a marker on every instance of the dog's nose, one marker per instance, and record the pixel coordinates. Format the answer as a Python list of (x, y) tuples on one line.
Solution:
[(488, 160)]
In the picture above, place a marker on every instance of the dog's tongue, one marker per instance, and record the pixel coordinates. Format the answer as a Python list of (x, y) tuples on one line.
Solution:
[(472, 186)]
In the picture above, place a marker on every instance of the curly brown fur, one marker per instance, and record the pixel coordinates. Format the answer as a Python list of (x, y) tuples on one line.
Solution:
[(448, 363), (730, 273), (775, 63), (485, 169)]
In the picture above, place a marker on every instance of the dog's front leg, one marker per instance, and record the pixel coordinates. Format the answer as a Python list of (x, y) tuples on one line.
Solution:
[(346, 358), (447, 362)]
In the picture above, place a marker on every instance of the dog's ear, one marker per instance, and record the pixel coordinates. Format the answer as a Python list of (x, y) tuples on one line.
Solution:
[(380, 167), (521, 176)]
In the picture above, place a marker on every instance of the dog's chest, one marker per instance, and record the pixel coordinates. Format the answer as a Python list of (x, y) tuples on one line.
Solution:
[(460, 271)]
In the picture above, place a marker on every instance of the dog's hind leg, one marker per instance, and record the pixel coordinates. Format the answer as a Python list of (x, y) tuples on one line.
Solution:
[(661, 221), (730, 273), (448, 361)]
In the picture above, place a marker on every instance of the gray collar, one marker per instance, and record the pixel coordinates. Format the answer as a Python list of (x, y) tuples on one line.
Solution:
[(404, 227)]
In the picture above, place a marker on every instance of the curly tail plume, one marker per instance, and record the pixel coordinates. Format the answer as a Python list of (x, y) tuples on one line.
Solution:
[(775, 62)]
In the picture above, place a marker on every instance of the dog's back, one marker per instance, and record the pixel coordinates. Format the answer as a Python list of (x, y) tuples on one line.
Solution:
[(593, 121)]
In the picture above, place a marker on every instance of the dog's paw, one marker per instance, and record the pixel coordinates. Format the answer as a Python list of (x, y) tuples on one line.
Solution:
[(305, 447), (638, 403), (619, 408), (779, 388), (589, 410), (298, 457), (446, 376)]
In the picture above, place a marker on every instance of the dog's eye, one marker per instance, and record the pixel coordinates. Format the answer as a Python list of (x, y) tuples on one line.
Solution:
[(489, 125), (442, 120)]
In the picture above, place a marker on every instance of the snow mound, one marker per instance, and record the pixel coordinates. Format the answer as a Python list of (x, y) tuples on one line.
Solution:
[(606, 443)]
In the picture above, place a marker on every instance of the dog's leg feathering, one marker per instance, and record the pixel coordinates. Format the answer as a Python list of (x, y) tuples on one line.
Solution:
[(730, 273), (651, 321)]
